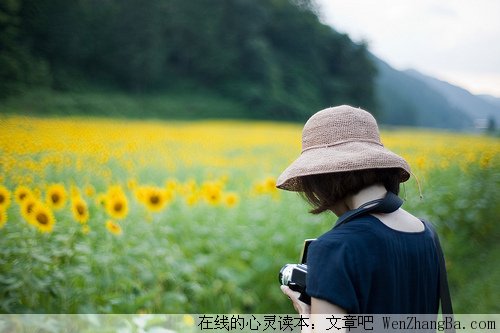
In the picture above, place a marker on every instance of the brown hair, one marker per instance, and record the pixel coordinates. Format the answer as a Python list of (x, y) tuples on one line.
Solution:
[(322, 191)]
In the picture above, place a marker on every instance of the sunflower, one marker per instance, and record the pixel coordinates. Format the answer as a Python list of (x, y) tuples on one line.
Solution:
[(192, 199), (56, 196), (117, 206), (231, 199), (132, 184), (4, 198), (115, 191), (169, 195), (79, 209), (141, 194), (171, 184), (267, 186), (3, 218), (188, 188), (43, 218), (100, 200), (89, 190), (270, 184), (27, 208), (188, 320), (85, 229), (155, 198), (21, 193), (74, 191), (259, 188), (115, 202), (212, 193), (113, 228)]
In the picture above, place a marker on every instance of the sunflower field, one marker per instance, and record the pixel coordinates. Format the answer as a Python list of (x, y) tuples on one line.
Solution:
[(121, 216)]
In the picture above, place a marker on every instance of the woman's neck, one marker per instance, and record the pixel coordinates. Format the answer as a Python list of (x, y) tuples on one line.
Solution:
[(367, 194), (373, 192)]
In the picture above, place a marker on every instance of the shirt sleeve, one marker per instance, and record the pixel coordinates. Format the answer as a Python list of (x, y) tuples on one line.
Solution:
[(331, 274)]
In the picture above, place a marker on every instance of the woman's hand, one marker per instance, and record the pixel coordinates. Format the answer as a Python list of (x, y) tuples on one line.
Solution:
[(301, 307)]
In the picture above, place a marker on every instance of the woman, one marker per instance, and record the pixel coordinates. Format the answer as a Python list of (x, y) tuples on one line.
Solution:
[(378, 261)]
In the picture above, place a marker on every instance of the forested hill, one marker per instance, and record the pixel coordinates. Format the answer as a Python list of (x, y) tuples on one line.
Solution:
[(274, 56)]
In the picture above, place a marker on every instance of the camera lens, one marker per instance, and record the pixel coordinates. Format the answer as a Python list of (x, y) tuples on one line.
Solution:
[(285, 274)]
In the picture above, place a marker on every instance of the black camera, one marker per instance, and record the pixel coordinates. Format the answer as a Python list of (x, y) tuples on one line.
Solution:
[(295, 275)]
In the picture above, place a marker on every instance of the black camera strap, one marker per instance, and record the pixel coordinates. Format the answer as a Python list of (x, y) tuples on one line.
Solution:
[(444, 290), (390, 203)]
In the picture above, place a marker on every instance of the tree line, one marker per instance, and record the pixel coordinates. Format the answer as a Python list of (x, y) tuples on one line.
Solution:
[(275, 56)]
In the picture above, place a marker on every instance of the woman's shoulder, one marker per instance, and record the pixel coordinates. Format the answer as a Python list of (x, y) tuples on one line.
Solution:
[(357, 231), (345, 246), (366, 231)]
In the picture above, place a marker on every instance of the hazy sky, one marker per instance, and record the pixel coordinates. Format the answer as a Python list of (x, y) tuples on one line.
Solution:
[(453, 40)]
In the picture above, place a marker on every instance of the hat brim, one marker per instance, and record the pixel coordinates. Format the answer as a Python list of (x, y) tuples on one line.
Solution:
[(349, 156)]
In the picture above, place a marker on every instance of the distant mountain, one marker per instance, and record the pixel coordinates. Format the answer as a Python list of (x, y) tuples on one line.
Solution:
[(406, 100), (479, 108), (490, 99)]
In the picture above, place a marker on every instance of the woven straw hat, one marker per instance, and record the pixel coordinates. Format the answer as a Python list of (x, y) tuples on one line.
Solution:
[(339, 139)]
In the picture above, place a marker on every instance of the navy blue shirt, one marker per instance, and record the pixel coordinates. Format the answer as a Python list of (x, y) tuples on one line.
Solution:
[(364, 266)]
